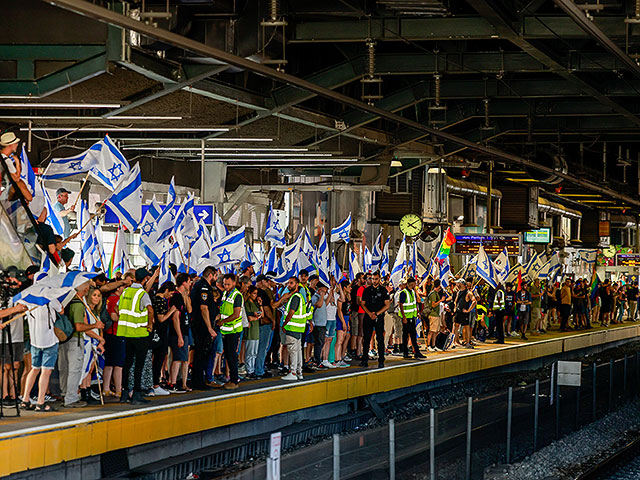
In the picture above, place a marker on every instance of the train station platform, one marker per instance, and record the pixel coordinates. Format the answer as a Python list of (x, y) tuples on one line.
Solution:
[(36, 440)]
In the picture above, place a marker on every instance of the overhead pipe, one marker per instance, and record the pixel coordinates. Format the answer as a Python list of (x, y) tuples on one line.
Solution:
[(116, 19)]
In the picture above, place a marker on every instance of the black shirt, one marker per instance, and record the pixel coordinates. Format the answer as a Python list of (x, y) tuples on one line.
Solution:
[(202, 294), (177, 301), (374, 298), (160, 308), (46, 236)]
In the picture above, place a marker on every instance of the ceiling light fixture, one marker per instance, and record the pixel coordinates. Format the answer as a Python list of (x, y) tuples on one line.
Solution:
[(277, 160), (81, 118), (126, 129), (58, 105), (216, 149)]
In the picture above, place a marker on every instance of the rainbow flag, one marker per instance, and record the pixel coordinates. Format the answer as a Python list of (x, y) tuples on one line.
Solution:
[(519, 287), (118, 256), (445, 247), (595, 283)]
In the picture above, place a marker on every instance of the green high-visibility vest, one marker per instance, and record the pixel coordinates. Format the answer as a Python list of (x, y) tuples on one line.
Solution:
[(410, 306), (298, 321), (226, 310), (499, 300), (133, 319)]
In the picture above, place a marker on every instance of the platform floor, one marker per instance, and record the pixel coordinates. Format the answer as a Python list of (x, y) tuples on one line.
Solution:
[(66, 434)]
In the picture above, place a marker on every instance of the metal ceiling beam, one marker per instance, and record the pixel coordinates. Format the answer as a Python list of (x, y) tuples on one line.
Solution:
[(102, 14), (488, 11), (591, 29), (449, 28)]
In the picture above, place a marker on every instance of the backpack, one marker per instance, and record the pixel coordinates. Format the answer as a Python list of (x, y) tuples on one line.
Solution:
[(63, 326)]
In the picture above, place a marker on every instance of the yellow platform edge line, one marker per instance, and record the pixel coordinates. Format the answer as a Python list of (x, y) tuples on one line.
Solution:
[(89, 437)]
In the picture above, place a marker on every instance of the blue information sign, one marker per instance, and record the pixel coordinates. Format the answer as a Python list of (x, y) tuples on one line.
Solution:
[(202, 212)]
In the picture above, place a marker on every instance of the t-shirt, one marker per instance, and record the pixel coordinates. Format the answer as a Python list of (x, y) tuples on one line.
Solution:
[(332, 308), (509, 300), (632, 293), (112, 302), (535, 301), (523, 295), (46, 236), (359, 294), (319, 313), (41, 321), (202, 294), (177, 301), (160, 307), (65, 220), (565, 295), (375, 298), (253, 331), (434, 296), (76, 314)]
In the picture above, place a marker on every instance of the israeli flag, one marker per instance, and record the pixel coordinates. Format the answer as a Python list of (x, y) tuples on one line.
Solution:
[(354, 266), (400, 265), (274, 232), (434, 269), (484, 268), (535, 265), (70, 279), (384, 261), (376, 252), (271, 263), (37, 295), (342, 232), (53, 217), (99, 257), (218, 229), (87, 239), (149, 245), (183, 220), (110, 165), (126, 200), (323, 259), (165, 272), (228, 250), (66, 167), (292, 252), (26, 172), (154, 209), (367, 260), (335, 268), (445, 272), (292, 271), (588, 256)]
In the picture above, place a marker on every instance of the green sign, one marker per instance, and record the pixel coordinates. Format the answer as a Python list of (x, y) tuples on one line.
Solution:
[(542, 235)]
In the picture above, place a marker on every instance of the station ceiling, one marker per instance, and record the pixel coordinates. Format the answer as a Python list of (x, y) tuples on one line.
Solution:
[(541, 88)]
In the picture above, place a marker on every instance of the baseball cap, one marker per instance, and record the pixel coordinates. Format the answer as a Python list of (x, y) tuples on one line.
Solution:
[(62, 190), (141, 274), (261, 277)]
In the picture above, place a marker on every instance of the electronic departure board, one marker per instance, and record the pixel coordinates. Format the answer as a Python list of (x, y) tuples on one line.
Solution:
[(492, 244), (543, 236), (628, 259)]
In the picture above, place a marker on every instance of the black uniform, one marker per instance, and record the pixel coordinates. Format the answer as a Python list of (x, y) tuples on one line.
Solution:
[(374, 299), (201, 294)]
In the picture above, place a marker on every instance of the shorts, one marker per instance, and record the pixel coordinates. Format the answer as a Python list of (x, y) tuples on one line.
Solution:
[(27, 347), (355, 323), (18, 353), (114, 350), (217, 342), (462, 319), (331, 328), (179, 354), (397, 325), (283, 336), (339, 323), (434, 324), (44, 357)]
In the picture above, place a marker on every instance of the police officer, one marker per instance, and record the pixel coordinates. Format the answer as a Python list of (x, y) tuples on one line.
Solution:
[(499, 308), (408, 308), (231, 327), (204, 311), (375, 301), (134, 324)]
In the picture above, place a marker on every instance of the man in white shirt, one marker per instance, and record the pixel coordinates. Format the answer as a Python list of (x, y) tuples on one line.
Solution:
[(62, 195)]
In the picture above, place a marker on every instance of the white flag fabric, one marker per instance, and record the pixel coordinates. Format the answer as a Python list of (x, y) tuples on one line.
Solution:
[(274, 232), (66, 167), (399, 266), (87, 239), (126, 200), (384, 261), (149, 246), (228, 250), (484, 268), (342, 232), (110, 165), (376, 252)]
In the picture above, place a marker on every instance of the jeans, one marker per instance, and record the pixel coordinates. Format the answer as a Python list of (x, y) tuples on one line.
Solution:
[(250, 354), (295, 354), (319, 334), (409, 331), (230, 342), (136, 348), (70, 358), (263, 345), (368, 327)]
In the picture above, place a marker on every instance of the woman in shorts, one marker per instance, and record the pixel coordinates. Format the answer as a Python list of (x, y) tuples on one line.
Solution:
[(342, 325)]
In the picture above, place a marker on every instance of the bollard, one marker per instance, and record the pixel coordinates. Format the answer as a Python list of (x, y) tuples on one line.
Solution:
[(432, 444), (536, 406), (557, 411), (336, 456), (392, 449), (467, 473), (577, 407), (610, 406), (509, 413), (595, 389), (624, 380)]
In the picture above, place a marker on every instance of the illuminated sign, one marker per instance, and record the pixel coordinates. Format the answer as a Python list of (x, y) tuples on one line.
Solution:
[(492, 244), (628, 259), (542, 236)]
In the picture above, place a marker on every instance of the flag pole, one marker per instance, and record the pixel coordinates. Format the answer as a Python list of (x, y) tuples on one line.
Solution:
[(20, 315), (80, 192)]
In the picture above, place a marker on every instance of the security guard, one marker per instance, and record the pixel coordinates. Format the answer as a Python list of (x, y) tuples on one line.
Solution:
[(134, 324), (499, 308), (408, 304), (204, 311), (231, 327), (294, 326)]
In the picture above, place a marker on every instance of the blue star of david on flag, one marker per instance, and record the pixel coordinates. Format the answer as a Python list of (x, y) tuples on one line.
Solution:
[(225, 256), (116, 172), (76, 166), (273, 231), (148, 228)]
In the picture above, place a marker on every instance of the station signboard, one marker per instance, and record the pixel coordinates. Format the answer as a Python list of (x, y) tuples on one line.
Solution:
[(628, 259), (540, 236), (492, 244)]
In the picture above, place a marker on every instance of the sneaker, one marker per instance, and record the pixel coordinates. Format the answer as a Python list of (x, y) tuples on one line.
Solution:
[(267, 374), (290, 377), (230, 386), (347, 358), (342, 364), (431, 349), (300, 377), (177, 389), (159, 391), (242, 371), (76, 404), (328, 364), (150, 393)]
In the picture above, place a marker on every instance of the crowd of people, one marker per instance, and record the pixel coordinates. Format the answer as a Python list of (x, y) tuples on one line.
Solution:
[(216, 330)]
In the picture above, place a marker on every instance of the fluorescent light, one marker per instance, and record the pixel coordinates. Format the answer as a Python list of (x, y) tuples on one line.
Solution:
[(216, 149), (239, 139), (281, 160), (594, 195), (523, 180), (119, 117), (125, 129), (396, 163), (272, 154), (58, 105)]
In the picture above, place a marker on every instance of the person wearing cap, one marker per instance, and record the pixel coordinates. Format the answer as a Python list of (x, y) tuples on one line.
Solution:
[(408, 309), (62, 194), (135, 322)]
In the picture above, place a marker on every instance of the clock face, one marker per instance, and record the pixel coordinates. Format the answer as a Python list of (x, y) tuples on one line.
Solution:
[(411, 225)]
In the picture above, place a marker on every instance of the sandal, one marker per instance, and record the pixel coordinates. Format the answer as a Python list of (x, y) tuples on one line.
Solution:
[(44, 407), (187, 389), (26, 406)]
